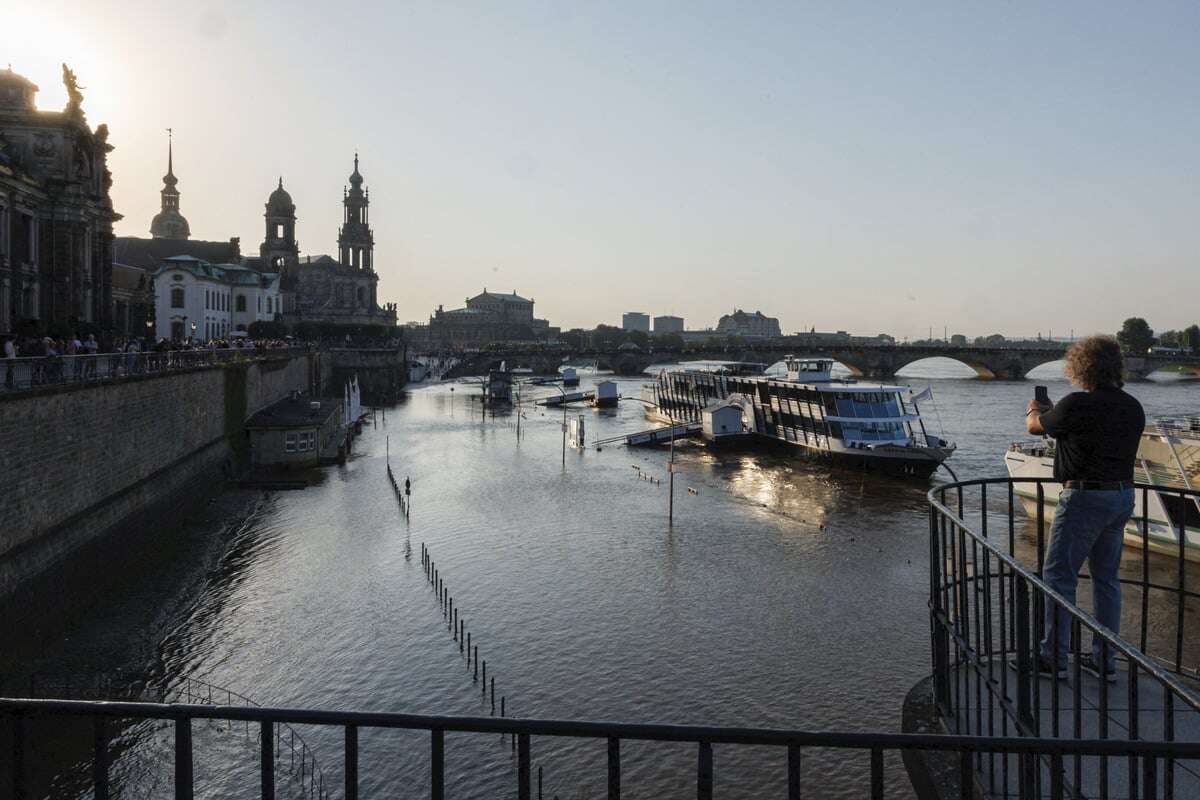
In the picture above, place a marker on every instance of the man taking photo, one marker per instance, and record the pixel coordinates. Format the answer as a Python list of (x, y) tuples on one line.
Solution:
[(1097, 431)]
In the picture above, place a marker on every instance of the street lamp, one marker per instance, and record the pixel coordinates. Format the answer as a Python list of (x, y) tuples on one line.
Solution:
[(563, 392)]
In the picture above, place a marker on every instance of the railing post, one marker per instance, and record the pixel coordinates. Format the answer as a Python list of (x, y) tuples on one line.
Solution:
[(614, 768), (18, 756), (266, 749), (704, 772), (876, 774), (183, 758), (793, 772), (1027, 763), (100, 758), (523, 766), (437, 765), (351, 762)]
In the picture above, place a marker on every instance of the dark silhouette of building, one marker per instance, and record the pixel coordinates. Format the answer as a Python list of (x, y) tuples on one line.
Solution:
[(169, 223), (741, 323), (56, 215)]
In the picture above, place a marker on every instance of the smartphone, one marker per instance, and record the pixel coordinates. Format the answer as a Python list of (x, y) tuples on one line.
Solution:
[(1041, 395)]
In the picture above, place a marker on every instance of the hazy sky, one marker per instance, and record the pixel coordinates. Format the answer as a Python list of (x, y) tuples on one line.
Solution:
[(987, 166)]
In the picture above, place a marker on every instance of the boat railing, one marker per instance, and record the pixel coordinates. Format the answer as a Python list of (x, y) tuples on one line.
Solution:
[(1181, 427), (988, 604)]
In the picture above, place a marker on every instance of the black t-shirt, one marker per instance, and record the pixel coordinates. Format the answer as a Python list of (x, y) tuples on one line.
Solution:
[(1097, 433)]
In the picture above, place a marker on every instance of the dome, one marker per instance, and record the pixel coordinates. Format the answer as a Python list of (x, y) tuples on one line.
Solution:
[(280, 201), (355, 178), (169, 224)]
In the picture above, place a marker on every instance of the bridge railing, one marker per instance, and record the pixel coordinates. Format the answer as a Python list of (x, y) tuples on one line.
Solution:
[(988, 610), (869, 747), (19, 374)]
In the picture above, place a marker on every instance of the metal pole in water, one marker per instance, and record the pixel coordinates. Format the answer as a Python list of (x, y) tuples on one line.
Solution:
[(671, 480)]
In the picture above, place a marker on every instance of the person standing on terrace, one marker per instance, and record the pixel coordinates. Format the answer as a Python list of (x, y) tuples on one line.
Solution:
[(1097, 431)]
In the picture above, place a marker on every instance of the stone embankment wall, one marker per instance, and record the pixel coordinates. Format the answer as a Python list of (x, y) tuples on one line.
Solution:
[(79, 462)]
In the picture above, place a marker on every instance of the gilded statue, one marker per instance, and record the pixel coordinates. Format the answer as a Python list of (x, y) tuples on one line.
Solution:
[(74, 96)]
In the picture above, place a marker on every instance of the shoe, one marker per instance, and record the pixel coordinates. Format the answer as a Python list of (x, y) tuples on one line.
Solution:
[(1088, 664), (1044, 667)]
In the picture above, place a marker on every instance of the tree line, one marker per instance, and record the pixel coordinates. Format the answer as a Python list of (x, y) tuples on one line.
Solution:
[(1136, 336)]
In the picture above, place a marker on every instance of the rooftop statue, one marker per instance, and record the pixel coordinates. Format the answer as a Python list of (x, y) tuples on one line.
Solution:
[(74, 96)]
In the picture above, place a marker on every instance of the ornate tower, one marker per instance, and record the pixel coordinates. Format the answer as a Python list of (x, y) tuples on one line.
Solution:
[(356, 243), (169, 223), (279, 250)]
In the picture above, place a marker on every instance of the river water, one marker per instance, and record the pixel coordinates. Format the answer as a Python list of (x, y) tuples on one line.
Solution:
[(783, 596)]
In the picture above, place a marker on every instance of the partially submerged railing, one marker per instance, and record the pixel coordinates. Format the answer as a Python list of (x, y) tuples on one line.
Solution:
[(870, 747), (987, 612), (18, 374)]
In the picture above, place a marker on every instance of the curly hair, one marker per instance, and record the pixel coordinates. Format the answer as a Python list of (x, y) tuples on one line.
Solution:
[(1095, 361)]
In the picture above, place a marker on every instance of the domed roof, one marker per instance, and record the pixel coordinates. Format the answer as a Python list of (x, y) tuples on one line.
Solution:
[(280, 201), (355, 178), (169, 224)]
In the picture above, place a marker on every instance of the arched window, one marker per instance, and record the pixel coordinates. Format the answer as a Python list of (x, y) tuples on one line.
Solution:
[(177, 297), (241, 302)]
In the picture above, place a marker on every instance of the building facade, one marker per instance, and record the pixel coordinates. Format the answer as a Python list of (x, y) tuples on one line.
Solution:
[(635, 321), (200, 300), (489, 317), (668, 324), (322, 289), (56, 215), (741, 323)]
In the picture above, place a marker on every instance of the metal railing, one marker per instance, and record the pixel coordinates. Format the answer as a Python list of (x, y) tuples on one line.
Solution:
[(302, 767), (17, 374), (16, 713), (987, 612)]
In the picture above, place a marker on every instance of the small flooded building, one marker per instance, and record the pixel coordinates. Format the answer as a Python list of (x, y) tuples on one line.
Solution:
[(722, 423), (298, 431), (606, 394)]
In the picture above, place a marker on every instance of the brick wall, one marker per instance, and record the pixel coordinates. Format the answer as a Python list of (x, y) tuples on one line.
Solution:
[(78, 462)]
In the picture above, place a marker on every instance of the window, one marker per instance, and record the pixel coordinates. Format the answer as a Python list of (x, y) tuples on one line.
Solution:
[(260, 304), (241, 302), (177, 297), (289, 443), (278, 230), (268, 305)]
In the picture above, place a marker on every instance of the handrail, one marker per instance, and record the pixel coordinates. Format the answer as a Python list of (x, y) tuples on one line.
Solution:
[(1115, 641)]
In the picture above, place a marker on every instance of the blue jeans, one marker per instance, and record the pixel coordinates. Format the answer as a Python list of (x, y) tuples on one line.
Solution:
[(1088, 525)]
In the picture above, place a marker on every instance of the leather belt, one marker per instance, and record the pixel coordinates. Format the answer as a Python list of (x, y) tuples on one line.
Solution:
[(1098, 485)]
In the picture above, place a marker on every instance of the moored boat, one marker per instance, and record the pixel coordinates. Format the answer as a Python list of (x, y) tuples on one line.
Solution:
[(864, 426), (1168, 458)]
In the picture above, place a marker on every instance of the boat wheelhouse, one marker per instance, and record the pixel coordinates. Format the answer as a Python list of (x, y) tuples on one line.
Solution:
[(1168, 458), (861, 425)]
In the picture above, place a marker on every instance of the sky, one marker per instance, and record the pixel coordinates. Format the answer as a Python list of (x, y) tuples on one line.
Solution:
[(1019, 168)]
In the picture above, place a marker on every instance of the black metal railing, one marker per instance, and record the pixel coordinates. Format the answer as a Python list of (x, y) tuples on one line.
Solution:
[(17, 712), (18, 374), (988, 609), (293, 754)]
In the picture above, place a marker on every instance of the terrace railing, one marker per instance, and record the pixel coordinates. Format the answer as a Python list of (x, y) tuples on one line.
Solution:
[(870, 747), (19, 374), (987, 613)]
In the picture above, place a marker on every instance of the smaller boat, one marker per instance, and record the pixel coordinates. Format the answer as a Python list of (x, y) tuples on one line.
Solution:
[(1168, 458)]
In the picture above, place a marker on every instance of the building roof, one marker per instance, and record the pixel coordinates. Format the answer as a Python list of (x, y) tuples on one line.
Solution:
[(149, 253), (294, 412), (504, 298), (280, 202), (128, 277)]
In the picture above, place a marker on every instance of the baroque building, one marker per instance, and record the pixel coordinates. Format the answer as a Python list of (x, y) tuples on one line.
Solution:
[(56, 215), (320, 289), (489, 317)]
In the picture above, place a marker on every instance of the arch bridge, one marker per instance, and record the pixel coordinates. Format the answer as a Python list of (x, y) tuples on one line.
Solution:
[(876, 361)]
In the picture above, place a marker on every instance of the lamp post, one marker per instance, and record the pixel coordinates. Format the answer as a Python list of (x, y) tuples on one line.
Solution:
[(563, 392)]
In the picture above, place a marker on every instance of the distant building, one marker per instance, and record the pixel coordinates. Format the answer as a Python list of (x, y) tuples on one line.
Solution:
[(56, 215), (194, 298), (297, 431), (741, 323), (489, 317), (668, 324), (635, 321), (814, 337), (958, 340)]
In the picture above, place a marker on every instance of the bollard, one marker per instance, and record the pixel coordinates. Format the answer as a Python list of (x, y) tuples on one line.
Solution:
[(502, 699), (468, 647), (476, 678), (493, 694)]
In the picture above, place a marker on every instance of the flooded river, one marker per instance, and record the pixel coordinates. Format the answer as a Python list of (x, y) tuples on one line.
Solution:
[(783, 596)]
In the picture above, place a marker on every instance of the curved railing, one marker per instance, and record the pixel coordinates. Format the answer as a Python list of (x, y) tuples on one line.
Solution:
[(988, 609)]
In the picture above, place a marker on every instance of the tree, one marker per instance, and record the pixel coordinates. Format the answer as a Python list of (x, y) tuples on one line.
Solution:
[(667, 341), (640, 338), (607, 337), (267, 329), (1136, 336), (1191, 338), (1170, 339)]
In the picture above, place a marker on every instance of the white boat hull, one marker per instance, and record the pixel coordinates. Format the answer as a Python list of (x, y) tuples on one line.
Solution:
[(1163, 537)]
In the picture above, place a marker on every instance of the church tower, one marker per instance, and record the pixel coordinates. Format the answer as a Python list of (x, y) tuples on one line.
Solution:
[(279, 250), (356, 243), (169, 223)]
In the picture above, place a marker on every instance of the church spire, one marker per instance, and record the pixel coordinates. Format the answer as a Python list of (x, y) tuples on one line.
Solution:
[(169, 223)]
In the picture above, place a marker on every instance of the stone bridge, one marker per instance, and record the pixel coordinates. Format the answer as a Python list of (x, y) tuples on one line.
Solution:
[(381, 373), (867, 361)]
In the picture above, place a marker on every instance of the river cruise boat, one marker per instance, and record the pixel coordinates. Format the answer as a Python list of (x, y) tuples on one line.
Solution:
[(864, 426), (1168, 457)]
